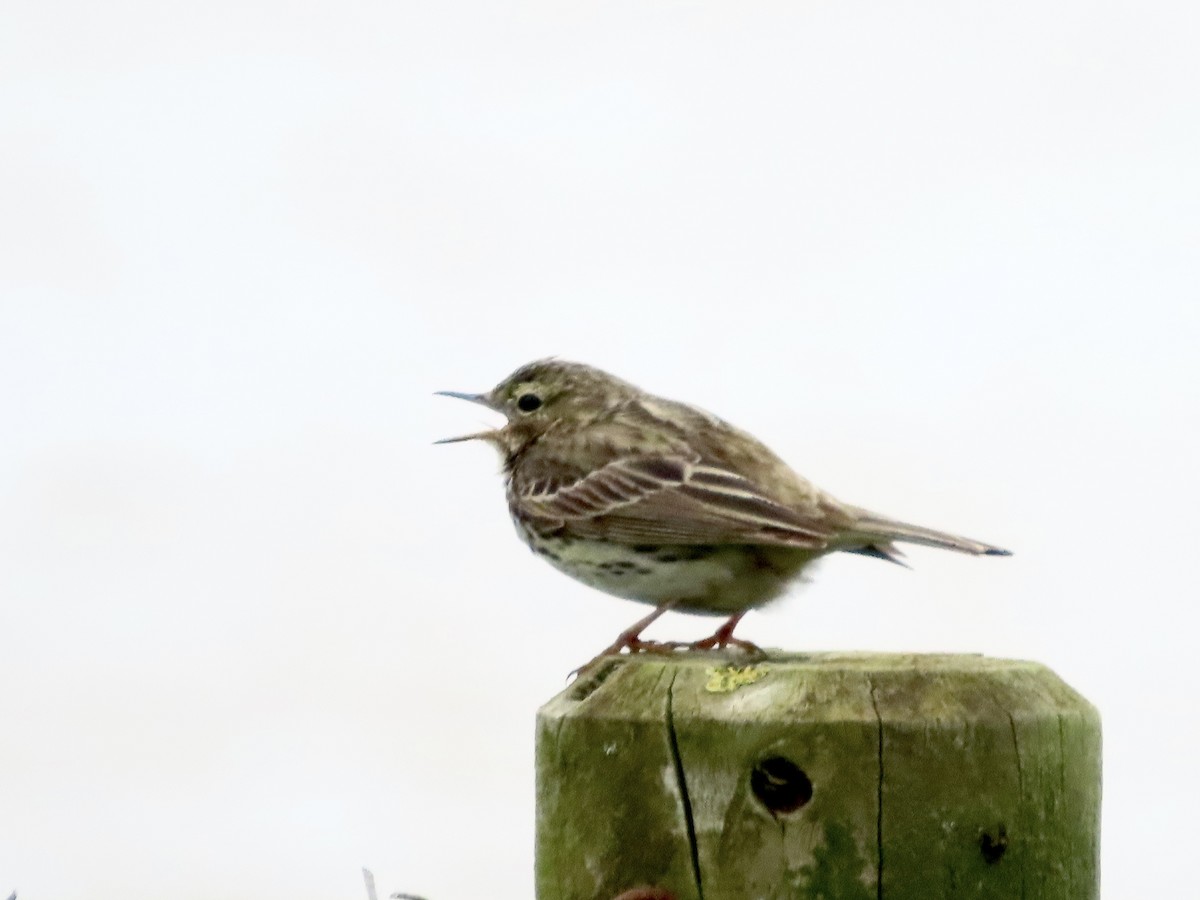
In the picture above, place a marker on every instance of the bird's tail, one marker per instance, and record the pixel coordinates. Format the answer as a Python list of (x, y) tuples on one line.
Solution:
[(876, 530)]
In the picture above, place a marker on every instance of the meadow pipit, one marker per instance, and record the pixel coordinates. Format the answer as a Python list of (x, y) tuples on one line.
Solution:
[(657, 501)]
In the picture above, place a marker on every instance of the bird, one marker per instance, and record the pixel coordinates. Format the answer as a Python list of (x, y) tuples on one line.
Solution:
[(658, 501)]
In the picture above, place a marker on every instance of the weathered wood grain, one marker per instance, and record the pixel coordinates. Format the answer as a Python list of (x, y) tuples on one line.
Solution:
[(831, 776)]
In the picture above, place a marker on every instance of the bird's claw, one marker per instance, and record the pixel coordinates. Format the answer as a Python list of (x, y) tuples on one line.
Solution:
[(717, 642)]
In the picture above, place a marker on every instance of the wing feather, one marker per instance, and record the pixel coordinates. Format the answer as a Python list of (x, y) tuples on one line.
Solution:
[(672, 499)]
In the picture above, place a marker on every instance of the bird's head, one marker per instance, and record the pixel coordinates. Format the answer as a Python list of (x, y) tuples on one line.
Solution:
[(546, 395)]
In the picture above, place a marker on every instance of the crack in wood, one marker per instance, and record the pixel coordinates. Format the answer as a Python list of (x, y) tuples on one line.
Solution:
[(1062, 793), (688, 818), (878, 796), (1012, 727)]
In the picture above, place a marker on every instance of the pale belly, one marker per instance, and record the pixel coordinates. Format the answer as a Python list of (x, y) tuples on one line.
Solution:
[(719, 580)]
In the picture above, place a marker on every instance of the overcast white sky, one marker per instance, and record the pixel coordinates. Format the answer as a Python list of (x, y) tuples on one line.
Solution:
[(259, 632)]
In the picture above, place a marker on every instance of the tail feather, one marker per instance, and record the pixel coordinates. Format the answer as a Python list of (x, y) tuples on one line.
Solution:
[(875, 529)]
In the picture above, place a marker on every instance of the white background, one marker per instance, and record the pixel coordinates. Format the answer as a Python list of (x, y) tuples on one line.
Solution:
[(257, 632)]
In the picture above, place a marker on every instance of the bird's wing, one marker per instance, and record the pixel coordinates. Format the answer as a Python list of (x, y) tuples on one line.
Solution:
[(672, 500)]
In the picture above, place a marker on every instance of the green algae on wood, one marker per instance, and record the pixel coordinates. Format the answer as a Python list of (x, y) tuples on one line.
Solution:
[(834, 777)]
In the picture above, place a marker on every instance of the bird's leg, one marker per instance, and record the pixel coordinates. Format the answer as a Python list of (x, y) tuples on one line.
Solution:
[(631, 638), (723, 637)]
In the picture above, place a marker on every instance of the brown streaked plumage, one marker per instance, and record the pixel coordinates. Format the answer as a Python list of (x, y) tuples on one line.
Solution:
[(657, 501)]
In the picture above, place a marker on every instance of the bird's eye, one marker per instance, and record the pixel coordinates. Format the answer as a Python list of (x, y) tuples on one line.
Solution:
[(528, 402)]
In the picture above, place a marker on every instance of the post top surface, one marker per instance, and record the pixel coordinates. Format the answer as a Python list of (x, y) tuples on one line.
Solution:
[(844, 660), (831, 685)]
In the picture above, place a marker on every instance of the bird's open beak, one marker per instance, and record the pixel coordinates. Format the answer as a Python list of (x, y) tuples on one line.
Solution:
[(482, 400), (477, 436)]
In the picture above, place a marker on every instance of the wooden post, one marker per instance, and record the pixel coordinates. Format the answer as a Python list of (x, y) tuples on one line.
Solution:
[(829, 776)]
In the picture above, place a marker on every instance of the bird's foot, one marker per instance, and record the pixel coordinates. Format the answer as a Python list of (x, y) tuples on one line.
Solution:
[(635, 643), (631, 638), (632, 643), (722, 638), (720, 642)]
